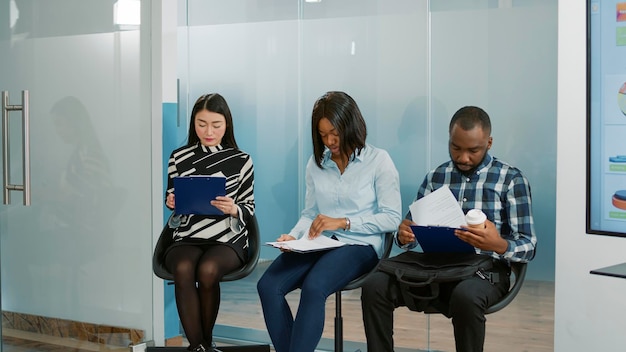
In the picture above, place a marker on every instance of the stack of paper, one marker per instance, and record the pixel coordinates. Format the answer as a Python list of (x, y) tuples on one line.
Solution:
[(319, 243), (438, 208)]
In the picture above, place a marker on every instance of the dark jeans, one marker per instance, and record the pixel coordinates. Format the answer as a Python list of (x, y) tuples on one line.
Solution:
[(318, 274), (464, 301)]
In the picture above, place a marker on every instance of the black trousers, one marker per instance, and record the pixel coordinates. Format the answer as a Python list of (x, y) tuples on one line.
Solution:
[(464, 301)]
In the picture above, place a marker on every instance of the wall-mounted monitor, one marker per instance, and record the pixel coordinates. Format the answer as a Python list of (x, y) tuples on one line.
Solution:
[(606, 117)]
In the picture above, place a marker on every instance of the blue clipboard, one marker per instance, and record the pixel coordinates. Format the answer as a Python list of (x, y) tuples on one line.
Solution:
[(193, 194), (440, 239)]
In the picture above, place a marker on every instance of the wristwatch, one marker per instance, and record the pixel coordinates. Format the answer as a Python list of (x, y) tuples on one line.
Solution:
[(347, 224)]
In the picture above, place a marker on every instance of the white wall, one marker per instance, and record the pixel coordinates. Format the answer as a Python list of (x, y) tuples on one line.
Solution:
[(589, 309)]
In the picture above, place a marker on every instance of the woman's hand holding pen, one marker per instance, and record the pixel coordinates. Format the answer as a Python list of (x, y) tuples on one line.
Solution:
[(322, 223), (226, 205), (284, 238)]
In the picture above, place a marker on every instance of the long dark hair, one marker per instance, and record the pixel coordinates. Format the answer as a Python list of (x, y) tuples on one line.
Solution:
[(344, 114), (214, 103)]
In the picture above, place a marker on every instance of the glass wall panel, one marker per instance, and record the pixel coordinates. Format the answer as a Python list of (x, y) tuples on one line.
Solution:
[(78, 254), (409, 65), (250, 55), (254, 64), (378, 53), (501, 56)]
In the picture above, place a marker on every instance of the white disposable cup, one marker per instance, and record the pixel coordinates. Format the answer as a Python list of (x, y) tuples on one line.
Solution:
[(476, 218)]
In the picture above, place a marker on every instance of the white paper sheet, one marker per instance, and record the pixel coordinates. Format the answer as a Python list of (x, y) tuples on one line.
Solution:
[(438, 208), (305, 244)]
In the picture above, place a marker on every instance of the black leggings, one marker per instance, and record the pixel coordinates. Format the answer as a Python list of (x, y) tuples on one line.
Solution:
[(198, 271)]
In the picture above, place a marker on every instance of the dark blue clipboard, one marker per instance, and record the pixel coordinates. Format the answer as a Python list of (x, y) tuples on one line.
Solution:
[(440, 239), (193, 194)]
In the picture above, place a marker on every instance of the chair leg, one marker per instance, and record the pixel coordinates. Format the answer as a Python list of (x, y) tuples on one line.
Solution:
[(428, 332), (338, 323)]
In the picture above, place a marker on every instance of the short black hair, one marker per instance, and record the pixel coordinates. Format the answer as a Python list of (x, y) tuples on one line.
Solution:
[(468, 117)]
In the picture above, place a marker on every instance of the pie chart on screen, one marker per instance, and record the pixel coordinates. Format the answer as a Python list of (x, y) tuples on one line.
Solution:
[(619, 199), (621, 99)]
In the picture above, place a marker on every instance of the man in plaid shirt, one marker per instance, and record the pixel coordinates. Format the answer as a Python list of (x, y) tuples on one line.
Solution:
[(477, 180)]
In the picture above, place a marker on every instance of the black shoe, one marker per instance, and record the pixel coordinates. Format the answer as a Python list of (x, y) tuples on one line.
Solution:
[(199, 348), (214, 347)]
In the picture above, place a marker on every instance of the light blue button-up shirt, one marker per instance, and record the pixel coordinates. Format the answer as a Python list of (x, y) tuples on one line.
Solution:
[(368, 193)]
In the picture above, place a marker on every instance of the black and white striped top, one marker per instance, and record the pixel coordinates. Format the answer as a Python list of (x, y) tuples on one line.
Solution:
[(238, 169)]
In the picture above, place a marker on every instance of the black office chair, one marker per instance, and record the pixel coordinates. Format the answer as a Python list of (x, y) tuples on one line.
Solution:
[(518, 271), (356, 283), (165, 240), (159, 269)]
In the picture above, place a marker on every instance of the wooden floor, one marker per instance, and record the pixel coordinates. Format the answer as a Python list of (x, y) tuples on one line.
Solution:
[(526, 325)]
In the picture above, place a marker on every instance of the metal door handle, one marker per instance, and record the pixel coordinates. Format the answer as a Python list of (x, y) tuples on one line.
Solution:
[(6, 108)]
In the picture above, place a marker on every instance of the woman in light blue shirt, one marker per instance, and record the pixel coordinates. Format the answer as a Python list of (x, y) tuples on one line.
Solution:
[(353, 195)]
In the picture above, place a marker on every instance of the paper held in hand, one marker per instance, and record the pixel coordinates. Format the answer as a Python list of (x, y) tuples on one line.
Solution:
[(304, 244), (439, 208), (437, 215)]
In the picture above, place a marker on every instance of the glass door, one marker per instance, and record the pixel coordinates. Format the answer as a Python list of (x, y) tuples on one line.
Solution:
[(75, 263)]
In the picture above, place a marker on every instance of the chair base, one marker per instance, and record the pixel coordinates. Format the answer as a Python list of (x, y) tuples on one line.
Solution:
[(248, 348)]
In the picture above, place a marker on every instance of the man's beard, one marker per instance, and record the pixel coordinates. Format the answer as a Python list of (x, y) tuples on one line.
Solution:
[(470, 171)]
